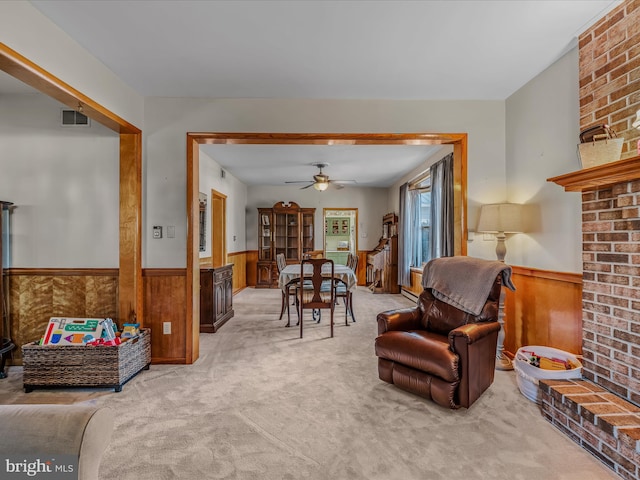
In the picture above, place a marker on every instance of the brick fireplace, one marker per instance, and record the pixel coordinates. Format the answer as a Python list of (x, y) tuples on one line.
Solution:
[(611, 288), (601, 412)]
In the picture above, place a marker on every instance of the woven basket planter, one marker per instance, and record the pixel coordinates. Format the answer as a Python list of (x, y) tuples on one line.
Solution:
[(47, 366)]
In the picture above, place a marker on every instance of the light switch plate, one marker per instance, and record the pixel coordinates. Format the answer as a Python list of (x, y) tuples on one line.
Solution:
[(171, 231), (166, 328), (157, 231)]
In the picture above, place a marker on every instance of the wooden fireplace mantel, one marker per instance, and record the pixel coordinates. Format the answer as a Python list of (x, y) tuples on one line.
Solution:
[(600, 176)]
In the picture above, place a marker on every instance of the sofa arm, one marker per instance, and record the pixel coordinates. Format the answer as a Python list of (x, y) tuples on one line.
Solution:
[(399, 319), (80, 431), (473, 332)]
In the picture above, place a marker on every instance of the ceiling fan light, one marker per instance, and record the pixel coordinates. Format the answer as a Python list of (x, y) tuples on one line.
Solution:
[(320, 186)]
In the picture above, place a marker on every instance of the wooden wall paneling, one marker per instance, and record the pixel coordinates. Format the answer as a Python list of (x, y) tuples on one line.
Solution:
[(362, 267), (35, 295), (252, 268), (165, 301), (30, 307), (545, 309), (416, 282), (239, 260), (205, 262)]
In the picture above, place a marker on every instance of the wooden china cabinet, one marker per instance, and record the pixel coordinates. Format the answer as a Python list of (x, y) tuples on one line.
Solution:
[(285, 228)]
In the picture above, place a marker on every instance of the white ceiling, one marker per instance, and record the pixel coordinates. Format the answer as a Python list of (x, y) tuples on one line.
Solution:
[(368, 165), (430, 49), (437, 49)]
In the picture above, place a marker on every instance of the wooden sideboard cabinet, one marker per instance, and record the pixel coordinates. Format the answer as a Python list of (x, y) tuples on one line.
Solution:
[(216, 297)]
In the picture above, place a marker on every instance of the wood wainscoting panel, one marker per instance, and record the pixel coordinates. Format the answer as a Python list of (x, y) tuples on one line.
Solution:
[(252, 268), (545, 309), (165, 301), (35, 295), (362, 267), (416, 282), (239, 260)]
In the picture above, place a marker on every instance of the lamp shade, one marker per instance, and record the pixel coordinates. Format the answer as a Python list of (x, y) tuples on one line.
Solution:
[(501, 217), (320, 186)]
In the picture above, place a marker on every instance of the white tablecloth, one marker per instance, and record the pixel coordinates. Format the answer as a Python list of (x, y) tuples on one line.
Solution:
[(342, 272)]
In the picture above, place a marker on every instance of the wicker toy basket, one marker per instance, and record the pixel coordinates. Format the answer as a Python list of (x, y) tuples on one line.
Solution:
[(527, 375), (47, 366)]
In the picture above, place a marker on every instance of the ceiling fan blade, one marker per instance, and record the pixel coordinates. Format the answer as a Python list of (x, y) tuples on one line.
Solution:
[(300, 181), (310, 185)]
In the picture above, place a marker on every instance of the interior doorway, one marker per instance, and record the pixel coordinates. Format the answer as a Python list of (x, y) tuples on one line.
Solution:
[(340, 233), (218, 229)]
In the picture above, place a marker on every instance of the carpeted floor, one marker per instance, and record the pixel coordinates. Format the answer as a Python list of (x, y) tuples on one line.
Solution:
[(260, 403)]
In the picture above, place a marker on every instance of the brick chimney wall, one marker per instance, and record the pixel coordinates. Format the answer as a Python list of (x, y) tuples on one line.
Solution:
[(609, 55), (611, 289)]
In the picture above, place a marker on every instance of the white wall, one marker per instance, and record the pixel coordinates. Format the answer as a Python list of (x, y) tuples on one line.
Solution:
[(64, 182), (542, 132), (168, 119), (236, 193), (24, 29), (518, 143)]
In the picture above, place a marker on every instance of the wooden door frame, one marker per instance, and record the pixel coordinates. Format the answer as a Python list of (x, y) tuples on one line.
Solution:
[(130, 292), (195, 139), (221, 222), (324, 232)]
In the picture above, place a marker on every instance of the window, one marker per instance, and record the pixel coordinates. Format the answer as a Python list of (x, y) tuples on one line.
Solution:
[(424, 200), (421, 206)]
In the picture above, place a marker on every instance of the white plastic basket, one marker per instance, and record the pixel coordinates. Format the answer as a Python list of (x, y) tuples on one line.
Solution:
[(528, 375)]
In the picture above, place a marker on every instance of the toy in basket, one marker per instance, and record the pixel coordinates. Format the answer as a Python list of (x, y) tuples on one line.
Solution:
[(553, 364)]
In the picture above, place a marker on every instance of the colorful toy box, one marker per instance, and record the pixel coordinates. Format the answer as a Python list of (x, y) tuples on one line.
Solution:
[(72, 331)]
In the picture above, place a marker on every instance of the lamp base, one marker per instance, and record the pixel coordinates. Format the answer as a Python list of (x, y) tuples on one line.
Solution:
[(503, 363)]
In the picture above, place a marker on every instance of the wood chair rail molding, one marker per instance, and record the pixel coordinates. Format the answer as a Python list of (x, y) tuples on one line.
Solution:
[(600, 176)]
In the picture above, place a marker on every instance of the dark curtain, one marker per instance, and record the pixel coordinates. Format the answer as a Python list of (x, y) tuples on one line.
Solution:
[(442, 208)]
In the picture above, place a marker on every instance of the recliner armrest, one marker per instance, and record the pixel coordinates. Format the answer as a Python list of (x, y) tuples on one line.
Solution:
[(402, 319), (473, 331)]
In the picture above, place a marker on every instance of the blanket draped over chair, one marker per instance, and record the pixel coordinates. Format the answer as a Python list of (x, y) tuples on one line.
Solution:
[(443, 275)]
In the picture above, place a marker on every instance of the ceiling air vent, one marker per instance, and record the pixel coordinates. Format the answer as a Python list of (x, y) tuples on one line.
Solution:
[(71, 118)]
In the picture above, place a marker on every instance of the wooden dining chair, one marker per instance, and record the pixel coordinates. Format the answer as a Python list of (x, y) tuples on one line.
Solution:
[(342, 291), (289, 291), (314, 294)]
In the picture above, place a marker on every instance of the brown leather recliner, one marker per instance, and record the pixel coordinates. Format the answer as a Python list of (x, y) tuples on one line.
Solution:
[(439, 351)]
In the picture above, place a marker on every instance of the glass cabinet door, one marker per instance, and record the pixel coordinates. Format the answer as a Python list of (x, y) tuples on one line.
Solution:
[(293, 237), (264, 237), (307, 231)]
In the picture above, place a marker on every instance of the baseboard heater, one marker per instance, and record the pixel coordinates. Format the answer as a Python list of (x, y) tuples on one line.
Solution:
[(409, 295)]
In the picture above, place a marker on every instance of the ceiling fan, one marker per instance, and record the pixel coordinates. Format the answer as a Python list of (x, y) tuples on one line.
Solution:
[(321, 181)]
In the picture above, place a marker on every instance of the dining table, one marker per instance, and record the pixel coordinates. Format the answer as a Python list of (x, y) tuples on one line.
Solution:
[(342, 272)]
